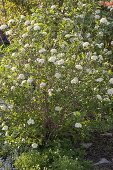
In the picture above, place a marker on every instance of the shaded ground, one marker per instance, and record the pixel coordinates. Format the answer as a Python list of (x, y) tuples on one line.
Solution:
[(101, 148)]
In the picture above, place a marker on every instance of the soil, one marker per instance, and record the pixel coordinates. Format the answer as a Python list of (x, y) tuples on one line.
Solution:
[(102, 147)]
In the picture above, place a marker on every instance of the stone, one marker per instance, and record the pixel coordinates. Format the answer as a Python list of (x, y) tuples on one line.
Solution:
[(103, 164)]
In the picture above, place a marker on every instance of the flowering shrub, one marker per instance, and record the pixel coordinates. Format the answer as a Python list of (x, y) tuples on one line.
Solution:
[(56, 78)]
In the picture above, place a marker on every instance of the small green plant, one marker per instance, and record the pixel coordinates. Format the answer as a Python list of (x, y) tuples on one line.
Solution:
[(66, 163), (1, 164), (51, 160), (31, 161)]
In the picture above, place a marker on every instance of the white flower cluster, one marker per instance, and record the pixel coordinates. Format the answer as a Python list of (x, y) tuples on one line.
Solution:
[(58, 108), (104, 21), (30, 122), (21, 77), (3, 27), (74, 81), (34, 145), (78, 125)]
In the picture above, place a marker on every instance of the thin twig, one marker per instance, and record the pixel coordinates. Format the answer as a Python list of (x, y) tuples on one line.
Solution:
[(4, 10)]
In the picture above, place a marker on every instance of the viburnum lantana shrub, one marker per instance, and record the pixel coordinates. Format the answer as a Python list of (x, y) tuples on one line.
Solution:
[(56, 76)]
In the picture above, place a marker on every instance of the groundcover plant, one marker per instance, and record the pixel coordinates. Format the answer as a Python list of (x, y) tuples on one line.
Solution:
[(56, 79)]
